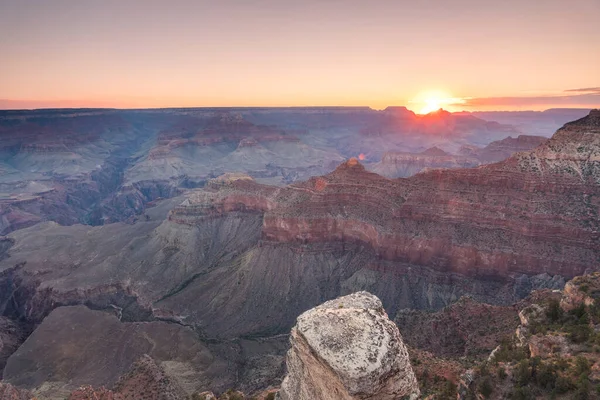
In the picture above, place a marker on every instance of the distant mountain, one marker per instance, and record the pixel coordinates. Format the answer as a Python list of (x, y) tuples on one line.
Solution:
[(404, 164), (502, 149), (434, 151), (542, 123)]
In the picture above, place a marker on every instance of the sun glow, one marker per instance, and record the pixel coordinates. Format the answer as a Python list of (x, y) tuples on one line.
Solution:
[(431, 105), (431, 101)]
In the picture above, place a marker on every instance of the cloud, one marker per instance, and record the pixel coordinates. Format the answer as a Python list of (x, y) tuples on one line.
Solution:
[(587, 97), (10, 104), (595, 90)]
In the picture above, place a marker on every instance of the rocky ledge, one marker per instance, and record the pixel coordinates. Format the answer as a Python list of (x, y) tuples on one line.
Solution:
[(347, 349)]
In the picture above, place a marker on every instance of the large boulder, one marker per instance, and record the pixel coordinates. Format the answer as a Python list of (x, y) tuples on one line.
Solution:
[(347, 349)]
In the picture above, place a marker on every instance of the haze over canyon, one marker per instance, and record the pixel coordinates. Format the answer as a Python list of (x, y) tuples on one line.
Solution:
[(182, 244)]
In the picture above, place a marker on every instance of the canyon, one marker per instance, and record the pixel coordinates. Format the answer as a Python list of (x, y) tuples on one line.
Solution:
[(98, 166), (199, 236)]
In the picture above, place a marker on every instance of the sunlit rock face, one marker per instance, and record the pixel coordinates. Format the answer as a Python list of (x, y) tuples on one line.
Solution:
[(347, 349)]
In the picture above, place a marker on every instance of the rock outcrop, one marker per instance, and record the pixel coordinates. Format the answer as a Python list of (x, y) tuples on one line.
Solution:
[(9, 392), (347, 349), (466, 328), (147, 377), (581, 290), (554, 349)]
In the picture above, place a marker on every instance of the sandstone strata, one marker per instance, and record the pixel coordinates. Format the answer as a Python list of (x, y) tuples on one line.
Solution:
[(536, 212), (347, 349)]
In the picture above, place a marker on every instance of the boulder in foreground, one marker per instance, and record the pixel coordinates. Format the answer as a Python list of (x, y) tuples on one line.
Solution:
[(348, 349)]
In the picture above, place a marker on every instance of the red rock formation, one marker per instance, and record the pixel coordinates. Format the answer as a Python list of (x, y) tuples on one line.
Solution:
[(537, 212)]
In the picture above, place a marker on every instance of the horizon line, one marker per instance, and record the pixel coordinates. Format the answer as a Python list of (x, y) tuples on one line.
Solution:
[(278, 107)]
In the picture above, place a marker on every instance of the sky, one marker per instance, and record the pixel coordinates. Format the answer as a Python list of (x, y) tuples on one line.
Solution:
[(458, 54)]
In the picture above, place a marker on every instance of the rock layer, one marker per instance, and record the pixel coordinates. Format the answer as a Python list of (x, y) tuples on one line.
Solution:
[(537, 212), (101, 166), (502, 149), (402, 165), (347, 349)]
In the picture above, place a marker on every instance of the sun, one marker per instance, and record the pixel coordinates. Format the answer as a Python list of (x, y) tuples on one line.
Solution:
[(433, 100), (431, 105)]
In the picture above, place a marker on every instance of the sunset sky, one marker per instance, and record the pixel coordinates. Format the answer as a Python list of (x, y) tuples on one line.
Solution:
[(465, 54)]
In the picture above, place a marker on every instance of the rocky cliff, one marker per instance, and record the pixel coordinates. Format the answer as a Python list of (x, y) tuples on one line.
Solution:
[(343, 349), (553, 352), (502, 149), (544, 346), (536, 212), (347, 348)]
